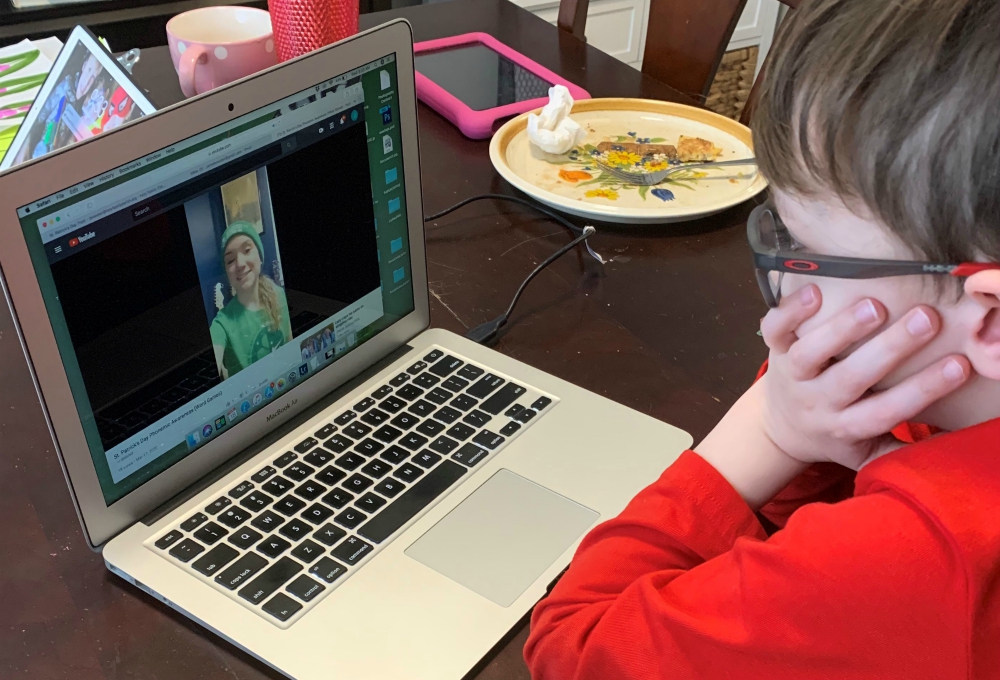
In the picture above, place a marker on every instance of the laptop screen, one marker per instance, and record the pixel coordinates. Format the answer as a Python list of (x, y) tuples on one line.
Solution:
[(190, 287)]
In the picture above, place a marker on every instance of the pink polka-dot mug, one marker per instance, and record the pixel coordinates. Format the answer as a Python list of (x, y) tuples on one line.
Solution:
[(213, 46)]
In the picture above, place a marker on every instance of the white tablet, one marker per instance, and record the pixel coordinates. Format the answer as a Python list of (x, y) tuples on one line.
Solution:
[(86, 92)]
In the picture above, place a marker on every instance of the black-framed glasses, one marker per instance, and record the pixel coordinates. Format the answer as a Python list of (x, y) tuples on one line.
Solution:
[(775, 253)]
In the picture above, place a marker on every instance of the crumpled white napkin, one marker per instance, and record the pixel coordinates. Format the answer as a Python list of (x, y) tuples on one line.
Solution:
[(553, 131)]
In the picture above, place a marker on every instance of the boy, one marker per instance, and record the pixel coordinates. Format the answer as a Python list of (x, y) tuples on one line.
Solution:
[(878, 131)]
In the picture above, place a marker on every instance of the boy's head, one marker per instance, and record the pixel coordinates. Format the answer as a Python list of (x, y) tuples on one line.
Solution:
[(878, 127)]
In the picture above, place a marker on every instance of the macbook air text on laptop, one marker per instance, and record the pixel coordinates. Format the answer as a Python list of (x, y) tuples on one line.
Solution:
[(224, 309)]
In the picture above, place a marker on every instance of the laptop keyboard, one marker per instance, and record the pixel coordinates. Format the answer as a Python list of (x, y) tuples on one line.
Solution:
[(283, 537)]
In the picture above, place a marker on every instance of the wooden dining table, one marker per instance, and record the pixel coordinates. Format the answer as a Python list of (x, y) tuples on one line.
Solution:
[(668, 326)]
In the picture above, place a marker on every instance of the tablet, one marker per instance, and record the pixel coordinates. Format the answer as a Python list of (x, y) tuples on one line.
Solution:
[(86, 92), (477, 82)]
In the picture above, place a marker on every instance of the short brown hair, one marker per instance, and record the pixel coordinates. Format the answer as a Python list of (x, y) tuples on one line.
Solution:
[(896, 104)]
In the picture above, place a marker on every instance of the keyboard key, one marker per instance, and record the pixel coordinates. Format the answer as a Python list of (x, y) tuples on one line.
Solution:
[(439, 396), (272, 546), (318, 457), (404, 421), (345, 417), (305, 588), (307, 551), (369, 447), (350, 461), (233, 517), (502, 398), (338, 443), (194, 521), (277, 486), (168, 539), (317, 513), (387, 433), (256, 500), (270, 580), (244, 538), (351, 550), (409, 392), (513, 410), (375, 417), (394, 455), (357, 483), (210, 533), (445, 366), (242, 489), (330, 475), (447, 415), (299, 471), (310, 490), (268, 521), (377, 469), (470, 372), (350, 518), (510, 428), (337, 498), (328, 570), (426, 459), (389, 487), (431, 428), (526, 415), (461, 431), (470, 454), (399, 380), (486, 385), (326, 431), (444, 445), (286, 458), (416, 368), (489, 440), (463, 402), (421, 408), (393, 404), (426, 381), (187, 549), (382, 392), (240, 571), (289, 505), (357, 430), (305, 445), (433, 356), (364, 404), (262, 474), (455, 384), (541, 403), (411, 502), (408, 472), (329, 534), (476, 418), (295, 529), (215, 559), (370, 503), (282, 607), (413, 441)]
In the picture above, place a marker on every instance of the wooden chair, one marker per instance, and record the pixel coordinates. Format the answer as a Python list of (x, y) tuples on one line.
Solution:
[(685, 40)]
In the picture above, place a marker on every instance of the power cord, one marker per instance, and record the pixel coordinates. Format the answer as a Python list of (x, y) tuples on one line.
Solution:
[(486, 332)]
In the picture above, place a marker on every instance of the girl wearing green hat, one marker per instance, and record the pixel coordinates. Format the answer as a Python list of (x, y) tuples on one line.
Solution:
[(255, 321)]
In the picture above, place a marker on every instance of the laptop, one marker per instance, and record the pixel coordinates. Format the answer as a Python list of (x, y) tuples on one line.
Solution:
[(224, 307)]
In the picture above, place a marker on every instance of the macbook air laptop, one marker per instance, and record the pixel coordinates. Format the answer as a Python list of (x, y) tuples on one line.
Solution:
[(224, 307)]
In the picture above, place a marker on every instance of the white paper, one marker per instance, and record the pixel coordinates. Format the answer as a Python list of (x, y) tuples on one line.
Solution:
[(553, 131)]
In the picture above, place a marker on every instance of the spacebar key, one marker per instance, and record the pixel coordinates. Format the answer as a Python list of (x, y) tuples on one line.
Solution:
[(413, 500)]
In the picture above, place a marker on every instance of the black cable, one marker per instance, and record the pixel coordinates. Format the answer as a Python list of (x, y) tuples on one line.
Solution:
[(485, 332)]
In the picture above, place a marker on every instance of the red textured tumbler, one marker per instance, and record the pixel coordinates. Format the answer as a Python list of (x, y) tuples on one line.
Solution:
[(302, 26)]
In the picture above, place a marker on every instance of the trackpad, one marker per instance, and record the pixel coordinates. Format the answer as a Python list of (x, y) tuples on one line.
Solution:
[(501, 538)]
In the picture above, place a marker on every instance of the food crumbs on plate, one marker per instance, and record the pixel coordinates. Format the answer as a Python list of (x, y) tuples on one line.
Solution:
[(733, 181), (574, 175)]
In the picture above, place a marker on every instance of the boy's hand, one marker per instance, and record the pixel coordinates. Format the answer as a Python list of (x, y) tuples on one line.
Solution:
[(818, 409)]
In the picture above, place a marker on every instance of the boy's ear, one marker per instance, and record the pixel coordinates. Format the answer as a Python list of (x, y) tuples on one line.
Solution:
[(984, 350)]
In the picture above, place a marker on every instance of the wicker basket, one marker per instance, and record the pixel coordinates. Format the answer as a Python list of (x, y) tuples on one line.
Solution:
[(732, 83)]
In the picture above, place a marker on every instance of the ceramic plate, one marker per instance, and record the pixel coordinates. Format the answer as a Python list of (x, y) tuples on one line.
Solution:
[(573, 183)]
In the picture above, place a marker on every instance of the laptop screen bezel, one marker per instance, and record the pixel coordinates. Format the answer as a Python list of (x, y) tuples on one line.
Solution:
[(44, 177)]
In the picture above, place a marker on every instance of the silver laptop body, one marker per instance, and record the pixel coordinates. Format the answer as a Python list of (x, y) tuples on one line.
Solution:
[(224, 310)]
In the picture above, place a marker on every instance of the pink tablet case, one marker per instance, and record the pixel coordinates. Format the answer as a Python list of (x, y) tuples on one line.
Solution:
[(481, 124)]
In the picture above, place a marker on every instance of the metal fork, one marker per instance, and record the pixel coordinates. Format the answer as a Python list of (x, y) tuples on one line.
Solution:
[(654, 178)]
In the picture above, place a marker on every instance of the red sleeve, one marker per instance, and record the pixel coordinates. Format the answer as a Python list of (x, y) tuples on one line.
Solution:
[(683, 585)]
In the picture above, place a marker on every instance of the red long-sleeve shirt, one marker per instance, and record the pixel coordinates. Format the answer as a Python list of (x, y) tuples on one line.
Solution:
[(899, 580)]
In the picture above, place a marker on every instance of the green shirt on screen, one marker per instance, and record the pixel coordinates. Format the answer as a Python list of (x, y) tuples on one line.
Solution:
[(245, 335)]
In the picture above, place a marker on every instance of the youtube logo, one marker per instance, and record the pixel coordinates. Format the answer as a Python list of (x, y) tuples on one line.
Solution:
[(73, 243)]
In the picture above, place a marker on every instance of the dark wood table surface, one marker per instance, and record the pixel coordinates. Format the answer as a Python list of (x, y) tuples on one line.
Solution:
[(668, 327)]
